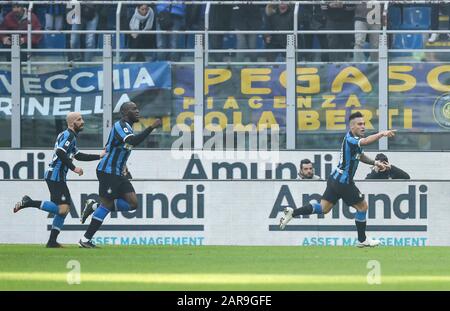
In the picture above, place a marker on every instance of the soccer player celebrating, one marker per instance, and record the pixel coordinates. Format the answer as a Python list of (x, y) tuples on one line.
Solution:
[(55, 176), (115, 190), (340, 183)]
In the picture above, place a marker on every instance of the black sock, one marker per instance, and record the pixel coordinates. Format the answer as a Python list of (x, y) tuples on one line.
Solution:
[(34, 203), (53, 235), (304, 210), (92, 229), (361, 227)]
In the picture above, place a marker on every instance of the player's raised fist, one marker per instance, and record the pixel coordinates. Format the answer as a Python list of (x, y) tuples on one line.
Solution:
[(156, 123)]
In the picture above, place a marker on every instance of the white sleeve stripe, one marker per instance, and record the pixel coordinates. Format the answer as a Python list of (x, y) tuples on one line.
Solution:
[(359, 142), (62, 149), (127, 137)]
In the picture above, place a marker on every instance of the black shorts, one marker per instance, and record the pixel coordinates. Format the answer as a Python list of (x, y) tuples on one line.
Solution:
[(349, 193), (59, 193), (113, 186)]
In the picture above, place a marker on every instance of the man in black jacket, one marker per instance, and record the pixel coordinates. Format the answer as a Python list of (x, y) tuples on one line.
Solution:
[(391, 171), (278, 17)]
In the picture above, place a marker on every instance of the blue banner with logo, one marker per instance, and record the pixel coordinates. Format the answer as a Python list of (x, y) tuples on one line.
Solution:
[(419, 96), (57, 93)]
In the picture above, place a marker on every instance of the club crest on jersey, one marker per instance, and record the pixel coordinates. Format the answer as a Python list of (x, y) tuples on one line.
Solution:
[(67, 143), (125, 130)]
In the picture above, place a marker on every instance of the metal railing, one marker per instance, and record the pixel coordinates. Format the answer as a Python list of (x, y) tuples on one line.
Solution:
[(206, 32)]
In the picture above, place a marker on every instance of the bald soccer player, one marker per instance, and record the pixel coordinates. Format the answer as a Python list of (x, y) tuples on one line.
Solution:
[(55, 176)]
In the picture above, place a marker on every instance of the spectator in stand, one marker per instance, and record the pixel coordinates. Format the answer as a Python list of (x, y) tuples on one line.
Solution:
[(339, 16), (55, 16), (311, 17), (219, 20), (107, 16), (391, 171), (17, 19), (306, 171), (142, 19), (195, 20), (435, 8), (170, 17), (278, 17), (88, 21), (246, 17), (367, 17), (195, 16)]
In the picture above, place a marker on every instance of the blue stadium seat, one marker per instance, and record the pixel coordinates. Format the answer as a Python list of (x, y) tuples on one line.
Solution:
[(394, 17), (416, 18), (260, 42), (229, 41), (53, 41), (406, 41)]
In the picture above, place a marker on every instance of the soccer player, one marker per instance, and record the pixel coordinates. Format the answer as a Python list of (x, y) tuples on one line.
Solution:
[(115, 190), (340, 183), (55, 176)]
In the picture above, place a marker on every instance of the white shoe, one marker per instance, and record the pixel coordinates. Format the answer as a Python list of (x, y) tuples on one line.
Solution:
[(287, 217), (433, 37), (369, 243)]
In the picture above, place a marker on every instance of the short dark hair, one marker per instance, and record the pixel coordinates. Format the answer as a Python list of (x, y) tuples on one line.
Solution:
[(381, 157), (124, 108), (304, 161), (355, 115)]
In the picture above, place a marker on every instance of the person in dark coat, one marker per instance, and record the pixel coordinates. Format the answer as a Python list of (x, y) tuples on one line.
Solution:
[(391, 172)]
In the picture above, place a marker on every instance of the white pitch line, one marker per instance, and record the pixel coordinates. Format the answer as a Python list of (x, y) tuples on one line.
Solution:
[(215, 278)]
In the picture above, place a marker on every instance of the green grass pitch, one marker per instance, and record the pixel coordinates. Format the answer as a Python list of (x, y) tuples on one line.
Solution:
[(166, 268)]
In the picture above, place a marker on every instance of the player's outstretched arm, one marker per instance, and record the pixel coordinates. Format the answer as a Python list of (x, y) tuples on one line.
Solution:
[(89, 157), (62, 155), (135, 140), (376, 137)]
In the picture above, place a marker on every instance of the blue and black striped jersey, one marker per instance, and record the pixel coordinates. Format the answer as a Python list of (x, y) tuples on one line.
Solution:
[(67, 142), (349, 160), (117, 150)]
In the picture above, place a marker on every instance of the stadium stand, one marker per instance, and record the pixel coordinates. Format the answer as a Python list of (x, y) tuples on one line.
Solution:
[(400, 17)]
